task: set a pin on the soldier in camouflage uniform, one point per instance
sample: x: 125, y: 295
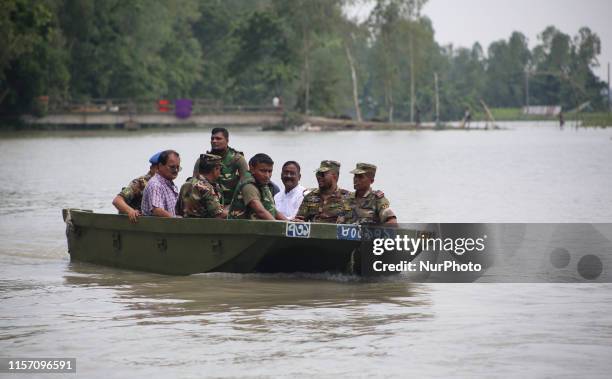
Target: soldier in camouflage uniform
x: 370, y: 207
x: 128, y: 201
x: 253, y: 198
x: 233, y: 164
x: 186, y: 188
x: 201, y: 196
x: 328, y: 203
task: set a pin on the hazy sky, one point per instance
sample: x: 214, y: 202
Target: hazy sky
x: 463, y: 22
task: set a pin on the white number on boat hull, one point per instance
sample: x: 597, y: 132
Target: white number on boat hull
x: 348, y: 232
x: 298, y: 230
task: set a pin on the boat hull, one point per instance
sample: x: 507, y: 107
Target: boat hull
x: 187, y: 246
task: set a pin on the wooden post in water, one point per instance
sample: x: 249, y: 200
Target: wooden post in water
x: 527, y: 87
x: 489, y: 114
x: 609, y: 107
x: 351, y: 62
x: 437, y: 99
x: 412, y: 91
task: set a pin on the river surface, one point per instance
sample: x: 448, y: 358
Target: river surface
x: 119, y: 323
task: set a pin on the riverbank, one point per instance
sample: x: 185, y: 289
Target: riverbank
x: 603, y: 120
x: 276, y: 121
x: 312, y: 123
x: 272, y: 121
x: 585, y: 119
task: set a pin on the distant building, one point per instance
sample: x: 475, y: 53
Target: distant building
x: 542, y: 110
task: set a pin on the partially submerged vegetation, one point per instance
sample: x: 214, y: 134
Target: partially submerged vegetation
x: 601, y: 119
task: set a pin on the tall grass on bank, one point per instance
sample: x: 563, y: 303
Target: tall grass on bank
x: 595, y: 119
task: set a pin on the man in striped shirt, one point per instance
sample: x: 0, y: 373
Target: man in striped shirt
x: 160, y: 194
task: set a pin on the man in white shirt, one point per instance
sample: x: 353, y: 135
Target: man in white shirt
x: 289, y: 200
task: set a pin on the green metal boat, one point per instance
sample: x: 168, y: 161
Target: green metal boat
x: 183, y: 246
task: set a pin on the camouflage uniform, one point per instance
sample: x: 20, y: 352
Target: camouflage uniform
x: 201, y: 198
x: 373, y: 207
x: 336, y: 209
x: 183, y: 193
x: 240, y: 210
x: 232, y: 164
x: 132, y: 194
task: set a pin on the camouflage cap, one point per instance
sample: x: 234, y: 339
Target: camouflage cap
x: 329, y: 165
x: 364, y: 168
x: 210, y: 159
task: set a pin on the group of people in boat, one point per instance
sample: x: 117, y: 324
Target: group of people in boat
x: 225, y: 186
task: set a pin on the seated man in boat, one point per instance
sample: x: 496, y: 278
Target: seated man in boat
x: 328, y: 203
x: 233, y: 163
x: 369, y: 206
x: 186, y: 188
x: 160, y: 194
x: 253, y: 198
x: 202, y: 196
x: 288, y: 201
x: 129, y: 200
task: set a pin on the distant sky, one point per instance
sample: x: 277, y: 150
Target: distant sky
x: 463, y: 22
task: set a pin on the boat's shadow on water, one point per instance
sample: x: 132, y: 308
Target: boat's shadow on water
x: 175, y: 296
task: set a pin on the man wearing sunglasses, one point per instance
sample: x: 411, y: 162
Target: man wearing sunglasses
x: 328, y: 203
x: 160, y: 194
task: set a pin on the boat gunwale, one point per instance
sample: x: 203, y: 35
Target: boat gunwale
x: 199, y: 226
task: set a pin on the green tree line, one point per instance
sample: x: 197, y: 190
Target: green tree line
x: 388, y: 66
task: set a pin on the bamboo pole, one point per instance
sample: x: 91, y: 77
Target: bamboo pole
x: 437, y: 98
x: 351, y: 62
x: 489, y: 114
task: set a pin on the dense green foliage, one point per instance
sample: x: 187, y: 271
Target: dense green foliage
x: 305, y: 51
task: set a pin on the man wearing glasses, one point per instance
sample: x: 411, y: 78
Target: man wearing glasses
x: 328, y: 203
x: 160, y: 194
